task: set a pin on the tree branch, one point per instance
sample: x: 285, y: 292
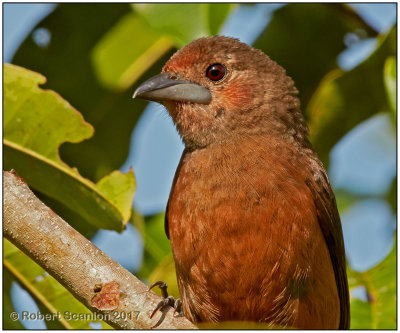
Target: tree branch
x: 97, y: 281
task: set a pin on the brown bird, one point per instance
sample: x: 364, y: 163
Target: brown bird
x: 252, y: 218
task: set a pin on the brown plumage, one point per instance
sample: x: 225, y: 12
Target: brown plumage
x: 252, y: 218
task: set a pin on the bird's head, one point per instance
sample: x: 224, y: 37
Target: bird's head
x: 218, y: 89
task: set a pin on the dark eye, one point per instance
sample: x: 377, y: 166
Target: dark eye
x: 216, y: 72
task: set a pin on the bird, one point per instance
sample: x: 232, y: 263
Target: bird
x: 252, y: 218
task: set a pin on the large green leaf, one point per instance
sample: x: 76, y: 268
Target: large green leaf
x: 344, y: 99
x: 306, y: 39
x: 36, y: 122
x: 31, y: 113
x: 75, y: 29
x: 119, y: 61
x: 45, y: 289
x: 119, y: 189
x: 379, y: 312
x: 198, y: 19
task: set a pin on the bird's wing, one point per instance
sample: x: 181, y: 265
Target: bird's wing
x: 166, y: 225
x: 329, y: 221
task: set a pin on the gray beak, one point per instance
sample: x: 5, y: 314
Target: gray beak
x: 162, y: 88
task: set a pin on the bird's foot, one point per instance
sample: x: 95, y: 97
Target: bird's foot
x: 167, y: 300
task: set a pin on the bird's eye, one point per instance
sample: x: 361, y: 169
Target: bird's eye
x: 216, y: 72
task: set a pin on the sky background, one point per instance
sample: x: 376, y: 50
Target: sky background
x: 364, y: 160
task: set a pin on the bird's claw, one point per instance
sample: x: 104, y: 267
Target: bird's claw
x: 163, y: 287
x: 178, y: 307
x: 167, y: 300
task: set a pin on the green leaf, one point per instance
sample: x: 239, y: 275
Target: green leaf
x: 217, y: 14
x: 344, y: 99
x: 30, y: 114
x: 165, y: 271
x: 156, y: 244
x: 379, y: 312
x: 184, y: 22
x: 361, y: 315
x: 120, y: 60
x: 36, y: 122
x: 169, y: 19
x: 44, y: 288
x: 307, y: 38
x: 390, y: 79
x: 119, y: 189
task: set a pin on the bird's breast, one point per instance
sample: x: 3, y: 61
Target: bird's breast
x: 243, y: 230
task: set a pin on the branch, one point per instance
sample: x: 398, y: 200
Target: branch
x: 96, y: 280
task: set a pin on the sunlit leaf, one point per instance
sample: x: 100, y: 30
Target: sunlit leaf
x: 36, y: 122
x: 45, y: 289
x: 120, y: 59
x: 169, y: 19
x: 30, y: 114
x: 379, y: 312
x: 119, y: 189
x: 390, y: 78
x: 344, y: 99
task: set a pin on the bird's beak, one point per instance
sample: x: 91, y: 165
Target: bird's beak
x: 162, y: 88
